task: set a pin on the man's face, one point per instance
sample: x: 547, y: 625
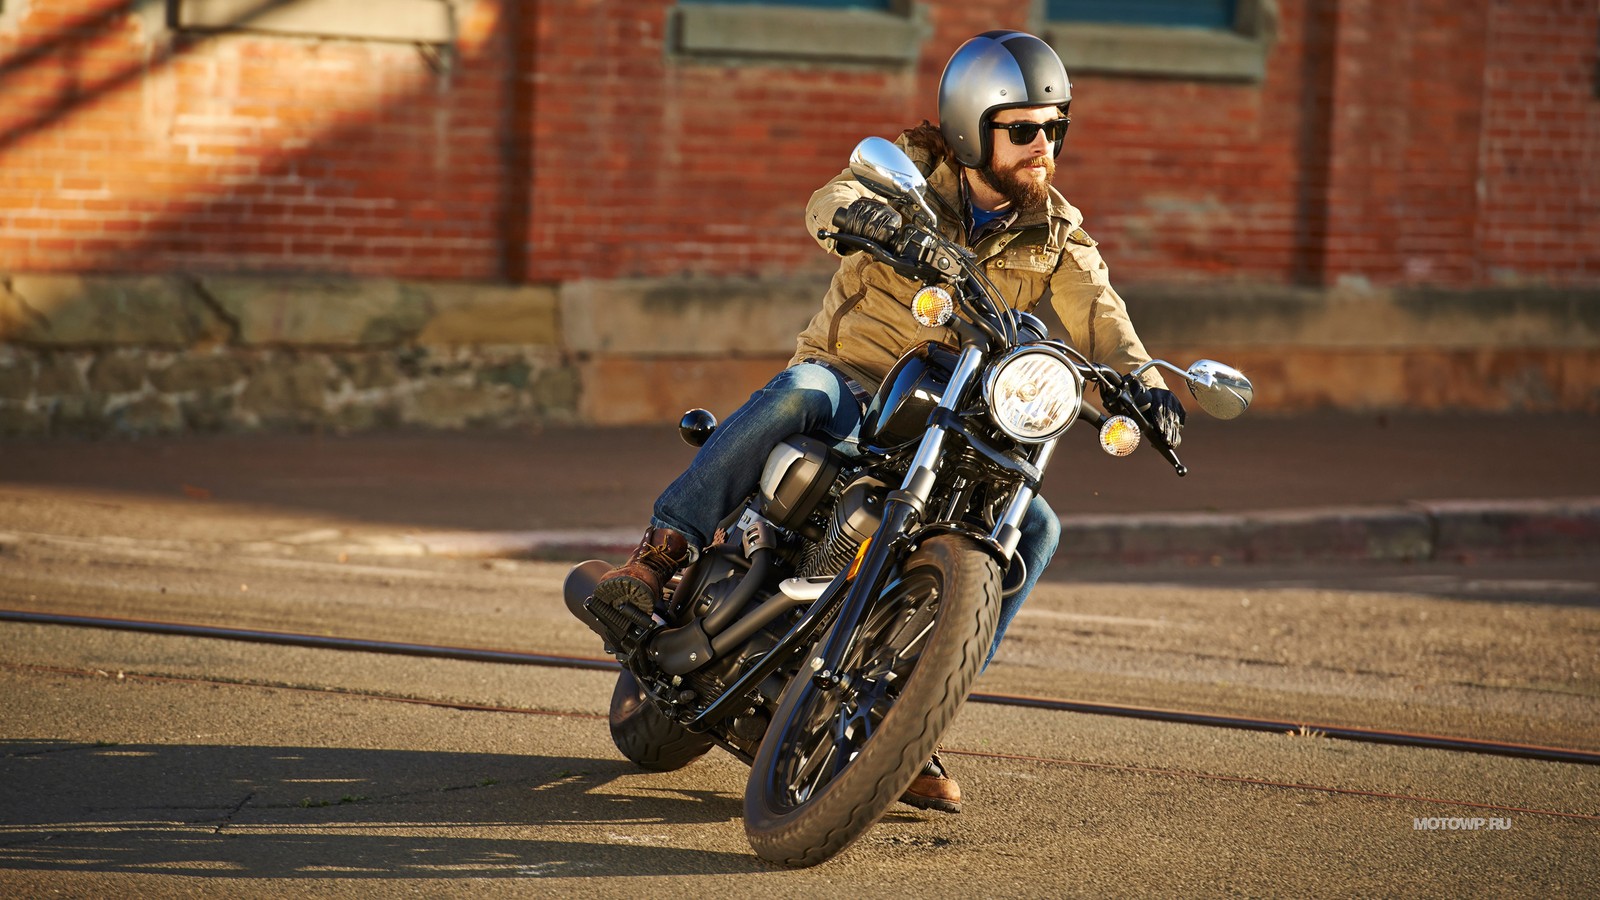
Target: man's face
x: 1022, y: 173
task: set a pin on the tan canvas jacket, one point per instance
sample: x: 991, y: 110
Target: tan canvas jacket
x: 865, y: 323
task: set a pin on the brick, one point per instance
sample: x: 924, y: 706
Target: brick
x: 1382, y: 185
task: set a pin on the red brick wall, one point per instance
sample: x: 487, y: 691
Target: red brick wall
x: 1396, y: 143
x: 1540, y: 217
x: 683, y: 167
x: 1428, y: 142
x: 123, y: 149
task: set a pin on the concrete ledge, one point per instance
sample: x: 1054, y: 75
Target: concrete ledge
x: 620, y: 390
x: 709, y: 317
x: 1273, y: 536
x: 173, y: 311
x: 424, y: 21
x: 1467, y: 530
x: 78, y: 311
x: 101, y: 354
x: 766, y: 32
x: 1259, y: 315
x: 1172, y: 52
x: 1457, y: 530
x: 1299, y: 379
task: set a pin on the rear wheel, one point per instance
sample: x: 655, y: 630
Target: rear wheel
x: 833, y: 761
x: 645, y: 735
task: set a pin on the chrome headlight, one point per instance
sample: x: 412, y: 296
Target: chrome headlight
x: 1033, y: 394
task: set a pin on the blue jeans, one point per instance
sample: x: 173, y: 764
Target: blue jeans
x: 814, y: 399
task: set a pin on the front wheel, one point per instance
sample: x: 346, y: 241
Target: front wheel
x: 834, y: 761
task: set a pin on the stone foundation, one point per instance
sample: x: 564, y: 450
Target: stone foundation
x: 166, y: 354
x: 133, y: 391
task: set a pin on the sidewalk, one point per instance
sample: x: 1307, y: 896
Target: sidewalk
x: 1261, y: 489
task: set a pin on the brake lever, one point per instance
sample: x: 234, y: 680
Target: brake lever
x: 1126, y: 407
x: 897, y: 258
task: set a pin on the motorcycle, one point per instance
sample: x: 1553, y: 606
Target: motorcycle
x: 834, y: 630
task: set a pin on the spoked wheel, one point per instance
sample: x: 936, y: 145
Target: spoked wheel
x: 833, y: 761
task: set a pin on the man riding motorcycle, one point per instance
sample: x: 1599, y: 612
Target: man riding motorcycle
x: 1003, y: 101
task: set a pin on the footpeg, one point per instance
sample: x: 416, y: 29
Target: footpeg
x: 621, y: 629
x: 618, y: 622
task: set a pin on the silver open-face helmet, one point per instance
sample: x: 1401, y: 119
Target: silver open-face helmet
x: 996, y: 70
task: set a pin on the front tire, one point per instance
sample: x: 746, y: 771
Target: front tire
x: 645, y: 735
x: 833, y: 762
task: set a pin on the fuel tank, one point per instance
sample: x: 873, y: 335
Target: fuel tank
x: 898, y: 414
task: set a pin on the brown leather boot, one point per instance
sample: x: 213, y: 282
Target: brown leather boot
x: 639, y: 581
x: 934, y: 788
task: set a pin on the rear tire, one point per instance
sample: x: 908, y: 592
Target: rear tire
x: 645, y: 735
x: 832, y: 763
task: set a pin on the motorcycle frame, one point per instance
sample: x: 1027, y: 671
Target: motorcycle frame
x: 847, y: 599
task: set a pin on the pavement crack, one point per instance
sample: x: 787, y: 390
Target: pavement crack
x: 228, y: 818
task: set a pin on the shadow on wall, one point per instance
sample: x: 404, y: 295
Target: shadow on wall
x: 68, y: 50
x: 152, y: 149
x: 339, y: 174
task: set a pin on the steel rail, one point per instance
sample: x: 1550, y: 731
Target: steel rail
x: 973, y: 754
x: 967, y: 753
x: 1348, y: 733
x: 513, y: 657
x: 316, y: 641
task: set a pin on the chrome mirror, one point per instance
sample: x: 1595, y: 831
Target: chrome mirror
x: 886, y: 170
x: 1221, y: 390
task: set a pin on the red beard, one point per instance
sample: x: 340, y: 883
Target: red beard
x: 1018, y: 184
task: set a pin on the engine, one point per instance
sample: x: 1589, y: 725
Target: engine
x: 855, y: 517
x: 805, y: 491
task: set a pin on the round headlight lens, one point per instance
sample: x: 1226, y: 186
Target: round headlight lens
x: 1033, y: 394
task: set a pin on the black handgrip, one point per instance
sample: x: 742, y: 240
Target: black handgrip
x: 1122, y: 403
x: 910, y: 268
x: 868, y: 218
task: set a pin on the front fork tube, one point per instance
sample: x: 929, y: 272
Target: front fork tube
x: 1008, y: 531
x: 902, y: 510
x: 919, y: 479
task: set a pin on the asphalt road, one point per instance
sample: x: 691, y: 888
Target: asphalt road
x: 161, y: 766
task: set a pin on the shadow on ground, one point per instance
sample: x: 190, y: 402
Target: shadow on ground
x: 302, y: 812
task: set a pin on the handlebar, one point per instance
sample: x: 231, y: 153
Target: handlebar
x: 909, y: 258
x: 1121, y: 403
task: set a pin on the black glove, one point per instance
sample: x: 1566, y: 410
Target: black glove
x: 1162, y: 409
x: 868, y: 218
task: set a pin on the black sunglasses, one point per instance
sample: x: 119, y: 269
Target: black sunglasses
x: 1023, y: 133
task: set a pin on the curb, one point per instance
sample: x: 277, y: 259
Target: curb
x: 1457, y: 530
x: 562, y: 545
x: 1454, y: 530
